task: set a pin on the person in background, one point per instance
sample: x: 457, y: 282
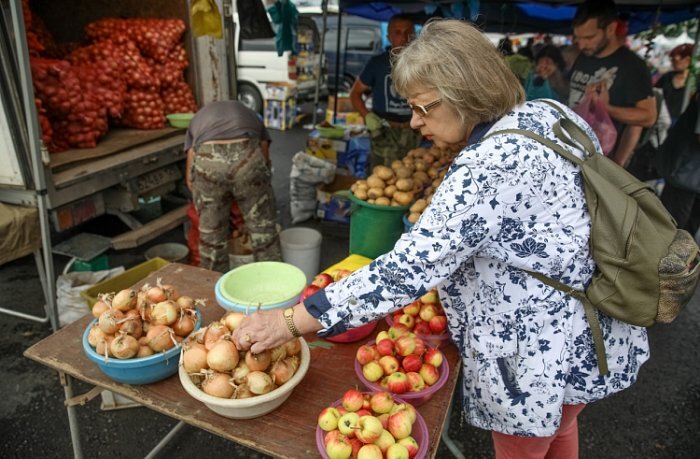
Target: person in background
x: 547, y: 80
x: 388, y: 122
x: 612, y: 74
x: 507, y: 204
x: 228, y: 160
x: 673, y: 83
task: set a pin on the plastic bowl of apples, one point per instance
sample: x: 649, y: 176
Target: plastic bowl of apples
x: 403, y: 365
x: 424, y: 317
x: 371, y: 424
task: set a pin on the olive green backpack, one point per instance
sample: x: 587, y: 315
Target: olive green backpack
x: 647, y: 269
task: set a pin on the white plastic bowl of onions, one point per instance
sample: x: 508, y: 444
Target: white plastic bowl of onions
x: 240, y: 385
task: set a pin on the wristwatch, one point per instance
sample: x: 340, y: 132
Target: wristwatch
x: 288, y: 317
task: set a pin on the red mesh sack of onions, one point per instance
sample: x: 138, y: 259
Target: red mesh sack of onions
x: 154, y: 37
x: 44, y: 124
x: 171, y: 71
x: 56, y: 85
x: 82, y: 127
x: 178, y: 98
x: 103, y: 81
x: 143, y: 110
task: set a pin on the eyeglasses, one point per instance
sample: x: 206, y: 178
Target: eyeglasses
x: 422, y: 110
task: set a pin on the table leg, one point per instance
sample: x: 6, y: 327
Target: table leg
x: 454, y: 449
x: 154, y: 452
x: 72, y: 416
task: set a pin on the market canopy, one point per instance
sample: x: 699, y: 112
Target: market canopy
x: 520, y: 17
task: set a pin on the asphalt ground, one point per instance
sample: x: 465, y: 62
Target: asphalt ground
x: 659, y: 417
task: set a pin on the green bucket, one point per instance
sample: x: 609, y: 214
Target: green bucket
x: 374, y: 229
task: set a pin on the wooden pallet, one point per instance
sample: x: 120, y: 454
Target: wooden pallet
x: 150, y: 230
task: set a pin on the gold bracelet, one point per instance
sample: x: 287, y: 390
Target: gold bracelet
x: 288, y: 317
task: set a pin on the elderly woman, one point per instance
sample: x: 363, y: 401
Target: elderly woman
x: 507, y: 205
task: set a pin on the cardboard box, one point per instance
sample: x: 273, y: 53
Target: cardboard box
x: 344, y: 118
x: 280, y: 91
x: 344, y: 104
x: 324, y: 148
x: 331, y: 203
x: 280, y: 114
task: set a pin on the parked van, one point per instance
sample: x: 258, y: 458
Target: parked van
x: 257, y: 64
x: 360, y: 39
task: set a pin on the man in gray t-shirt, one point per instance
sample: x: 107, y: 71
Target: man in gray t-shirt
x: 228, y: 161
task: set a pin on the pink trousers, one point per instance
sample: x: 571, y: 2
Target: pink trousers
x: 562, y: 445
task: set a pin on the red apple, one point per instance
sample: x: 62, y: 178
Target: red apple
x: 429, y: 373
x: 338, y: 274
x: 397, y: 451
x: 385, y: 347
x: 433, y: 357
x: 385, y: 440
x: 356, y: 446
x: 413, y: 308
x: 341, y: 410
x: 407, y: 407
x: 400, y: 424
x: 438, y: 325
x: 397, y: 383
x: 415, y: 380
x: 352, y: 400
x: 411, y: 445
x: 389, y: 364
x: 422, y: 327
x: 427, y: 312
x: 366, y: 353
x: 405, y: 345
x: 339, y: 448
x: 363, y: 412
x: 322, y: 280
x: 308, y: 291
x: 381, y: 402
x: 370, y: 451
x: 420, y: 347
x: 384, y: 383
x: 381, y: 336
x: 408, y: 320
x: 328, y: 419
x: 411, y: 363
x: 331, y: 435
x: 384, y: 418
x: 372, y: 371
x: 369, y: 429
x: 397, y: 330
x: 366, y: 403
x: 347, y: 424
x: 430, y: 297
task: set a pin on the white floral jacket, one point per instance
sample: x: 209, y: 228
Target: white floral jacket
x: 507, y: 204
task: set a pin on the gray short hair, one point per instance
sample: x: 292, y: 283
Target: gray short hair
x: 458, y: 61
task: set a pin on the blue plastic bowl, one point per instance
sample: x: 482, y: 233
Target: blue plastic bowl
x: 263, y: 285
x: 144, y: 370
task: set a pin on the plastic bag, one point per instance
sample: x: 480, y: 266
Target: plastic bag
x: 71, y: 306
x: 206, y: 19
x: 307, y: 173
x: 598, y: 119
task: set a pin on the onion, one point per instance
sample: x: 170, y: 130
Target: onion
x: 278, y: 353
x: 124, y: 300
x: 194, y: 359
x: 259, y: 382
x: 243, y: 391
x: 223, y: 356
x: 155, y: 294
x: 144, y: 351
x: 133, y: 314
x: 103, y: 347
x: 98, y: 308
x: 258, y: 362
x: 109, y: 321
x: 218, y: 385
x: 143, y: 341
x: 282, y: 371
x: 185, y: 302
x: 160, y: 338
x: 164, y: 313
x: 184, y: 325
x: 293, y: 346
x: 95, y: 335
x: 132, y: 326
x: 240, y: 373
x: 124, y: 346
x: 213, y: 333
x: 232, y: 320
x: 170, y: 291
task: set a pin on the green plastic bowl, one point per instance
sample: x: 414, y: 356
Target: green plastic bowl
x: 180, y: 120
x: 264, y: 284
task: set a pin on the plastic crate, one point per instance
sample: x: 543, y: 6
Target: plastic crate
x: 124, y: 280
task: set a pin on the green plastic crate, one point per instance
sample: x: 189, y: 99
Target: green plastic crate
x: 124, y: 280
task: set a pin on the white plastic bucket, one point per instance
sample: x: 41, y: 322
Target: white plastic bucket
x: 301, y: 247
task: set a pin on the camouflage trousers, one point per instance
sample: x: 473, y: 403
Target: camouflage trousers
x: 222, y: 173
x: 390, y: 144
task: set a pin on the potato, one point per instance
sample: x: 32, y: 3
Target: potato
x: 432, y: 172
x: 361, y: 185
x: 404, y: 198
x: 389, y: 191
x: 382, y: 201
x: 361, y: 194
x: 428, y: 158
x: 419, y: 206
x: 374, y: 193
x: 371, y: 201
x: 397, y: 163
x: 391, y: 181
x: 421, y: 165
x: 413, y: 217
x: 375, y: 182
x: 405, y: 184
x: 403, y: 172
x: 383, y: 172
x: 421, y: 177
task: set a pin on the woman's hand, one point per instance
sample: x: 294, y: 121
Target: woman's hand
x: 262, y: 330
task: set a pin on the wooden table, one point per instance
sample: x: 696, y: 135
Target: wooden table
x: 330, y: 374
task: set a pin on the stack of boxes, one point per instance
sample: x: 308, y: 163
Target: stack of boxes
x: 280, y: 105
x: 345, y: 114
